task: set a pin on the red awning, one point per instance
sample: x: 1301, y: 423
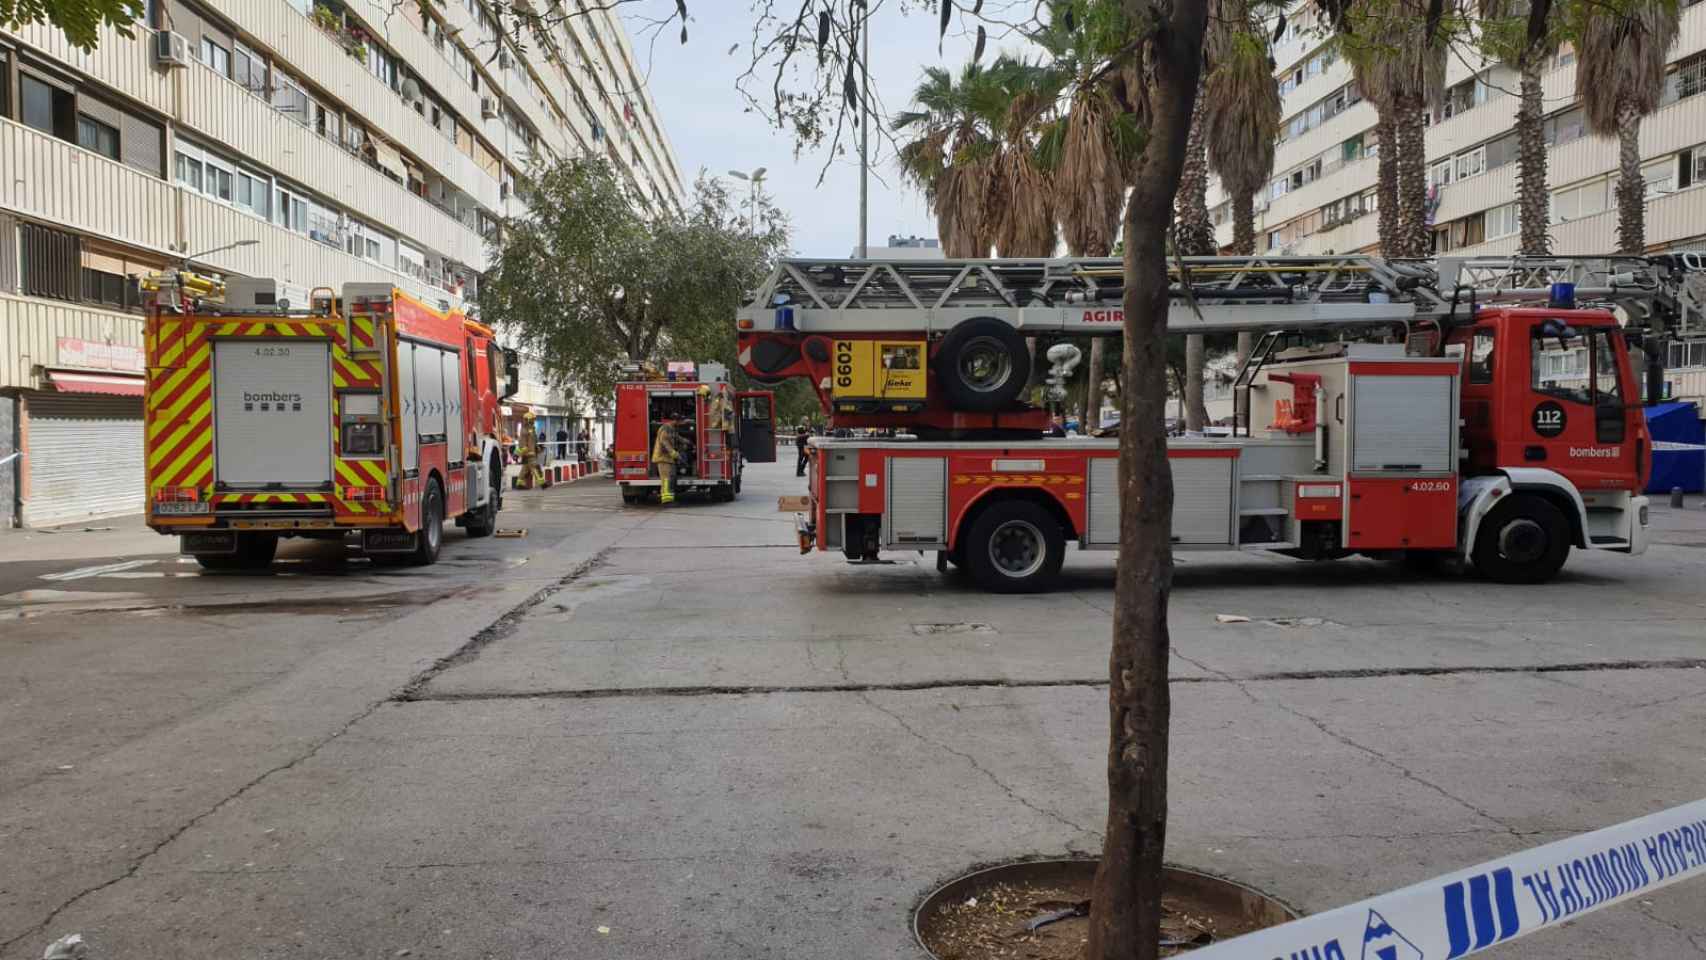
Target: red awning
x: 108, y: 383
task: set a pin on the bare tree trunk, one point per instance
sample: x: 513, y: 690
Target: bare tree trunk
x: 1125, y: 920
x: 1386, y: 184
x: 1244, y: 224
x: 1196, y: 360
x: 1532, y: 194
x: 1631, y: 186
x: 1412, y: 223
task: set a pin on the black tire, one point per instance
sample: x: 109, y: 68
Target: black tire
x: 431, y: 534
x: 483, y: 521
x: 1014, y: 546
x: 255, y: 551
x: 630, y: 496
x: 1525, y: 539
x: 983, y: 365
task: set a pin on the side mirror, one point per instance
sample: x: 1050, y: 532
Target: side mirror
x: 512, y: 373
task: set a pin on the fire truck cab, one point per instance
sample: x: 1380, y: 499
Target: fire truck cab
x: 718, y: 429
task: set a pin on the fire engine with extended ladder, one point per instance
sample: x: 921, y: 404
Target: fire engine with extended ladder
x: 362, y: 412
x: 1463, y: 435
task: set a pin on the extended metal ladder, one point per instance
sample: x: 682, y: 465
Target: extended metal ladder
x: 1662, y: 292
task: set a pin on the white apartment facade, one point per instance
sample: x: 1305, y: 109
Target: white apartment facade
x: 1322, y: 195
x: 342, y: 140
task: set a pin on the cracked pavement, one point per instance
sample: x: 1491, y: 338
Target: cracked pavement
x: 668, y: 724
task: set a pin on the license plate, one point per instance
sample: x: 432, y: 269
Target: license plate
x: 181, y: 507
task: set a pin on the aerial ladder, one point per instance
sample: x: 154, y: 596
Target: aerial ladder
x: 942, y: 345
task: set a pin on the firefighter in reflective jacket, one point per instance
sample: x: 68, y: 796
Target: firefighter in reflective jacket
x: 666, y: 450
x: 528, y: 449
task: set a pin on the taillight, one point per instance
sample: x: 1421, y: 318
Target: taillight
x: 176, y: 494
x: 363, y: 494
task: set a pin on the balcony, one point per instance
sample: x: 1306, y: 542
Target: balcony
x: 228, y: 113
x: 31, y: 329
x: 60, y: 183
x: 125, y: 64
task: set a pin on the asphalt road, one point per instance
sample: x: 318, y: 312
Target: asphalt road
x: 649, y: 732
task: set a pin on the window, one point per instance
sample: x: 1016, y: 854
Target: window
x: 1555, y: 364
x: 1273, y: 239
x: 1690, y: 167
x: 1503, y: 221
x: 288, y: 98
x: 1660, y: 177
x: 1471, y: 164
x: 110, y: 289
x: 253, y: 192
x: 1605, y: 380
x: 189, y: 171
x: 248, y: 69
x: 1564, y: 128
x: 5, y: 85
x: 1577, y: 202
x: 290, y: 210
x: 47, y: 108
x: 1688, y: 79
x: 51, y: 262
x: 216, y: 56
x: 94, y: 135
x: 1440, y: 174
x: 1481, y: 357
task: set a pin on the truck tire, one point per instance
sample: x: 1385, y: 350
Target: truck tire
x: 1525, y: 539
x: 255, y: 551
x: 1014, y: 546
x: 483, y: 521
x: 630, y: 496
x: 983, y: 365
x: 431, y: 534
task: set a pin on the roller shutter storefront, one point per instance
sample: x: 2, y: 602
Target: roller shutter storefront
x: 84, y: 457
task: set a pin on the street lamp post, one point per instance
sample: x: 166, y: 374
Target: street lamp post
x: 755, y: 178
x: 184, y: 261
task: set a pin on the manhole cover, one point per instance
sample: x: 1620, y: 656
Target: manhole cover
x: 1038, y: 909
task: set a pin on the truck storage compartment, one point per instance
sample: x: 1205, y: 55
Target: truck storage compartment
x: 272, y: 412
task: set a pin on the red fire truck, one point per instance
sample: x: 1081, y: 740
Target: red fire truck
x: 718, y: 428
x: 1499, y: 431
x: 365, y: 413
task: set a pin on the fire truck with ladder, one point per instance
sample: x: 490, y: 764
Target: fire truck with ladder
x: 361, y: 413
x: 1500, y: 423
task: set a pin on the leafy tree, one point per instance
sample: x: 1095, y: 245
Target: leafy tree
x: 587, y: 278
x: 80, y: 20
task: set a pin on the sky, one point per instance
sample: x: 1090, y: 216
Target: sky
x: 693, y: 86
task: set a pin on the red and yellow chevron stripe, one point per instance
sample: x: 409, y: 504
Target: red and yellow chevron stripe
x: 285, y: 499
x: 357, y: 374
x: 179, y: 412
x: 363, y: 334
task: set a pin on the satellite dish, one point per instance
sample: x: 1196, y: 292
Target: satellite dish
x: 411, y: 89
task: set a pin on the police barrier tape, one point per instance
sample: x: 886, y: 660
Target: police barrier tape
x: 1471, y: 910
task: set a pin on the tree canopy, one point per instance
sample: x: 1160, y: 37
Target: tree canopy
x: 587, y: 276
x: 80, y: 20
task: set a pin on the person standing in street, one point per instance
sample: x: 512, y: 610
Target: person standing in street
x: 666, y: 450
x: 801, y: 437
x: 584, y: 445
x: 562, y: 443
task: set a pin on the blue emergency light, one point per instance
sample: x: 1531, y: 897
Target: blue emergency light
x: 784, y: 318
x: 1563, y: 296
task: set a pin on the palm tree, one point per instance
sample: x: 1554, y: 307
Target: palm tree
x: 1620, y: 78
x: 952, y: 153
x: 1397, y: 50
x: 1020, y: 205
x: 1522, y: 33
x: 1089, y: 147
x: 1241, y: 115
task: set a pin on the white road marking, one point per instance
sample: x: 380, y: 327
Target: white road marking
x: 84, y: 572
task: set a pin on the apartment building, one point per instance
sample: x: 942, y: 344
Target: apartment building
x: 314, y: 141
x: 1322, y: 195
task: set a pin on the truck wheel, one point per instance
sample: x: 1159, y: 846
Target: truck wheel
x: 983, y: 365
x: 431, y: 534
x: 255, y: 551
x: 630, y: 496
x: 1015, y: 546
x: 1525, y: 539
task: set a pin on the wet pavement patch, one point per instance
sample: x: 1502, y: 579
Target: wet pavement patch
x: 1040, y: 909
x: 933, y: 629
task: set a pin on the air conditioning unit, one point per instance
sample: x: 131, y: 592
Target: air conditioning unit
x: 488, y: 108
x: 171, y: 49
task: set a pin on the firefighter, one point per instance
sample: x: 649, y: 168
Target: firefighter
x: 801, y: 436
x: 666, y: 450
x: 531, y: 475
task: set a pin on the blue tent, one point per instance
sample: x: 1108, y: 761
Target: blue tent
x: 1679, y: 448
